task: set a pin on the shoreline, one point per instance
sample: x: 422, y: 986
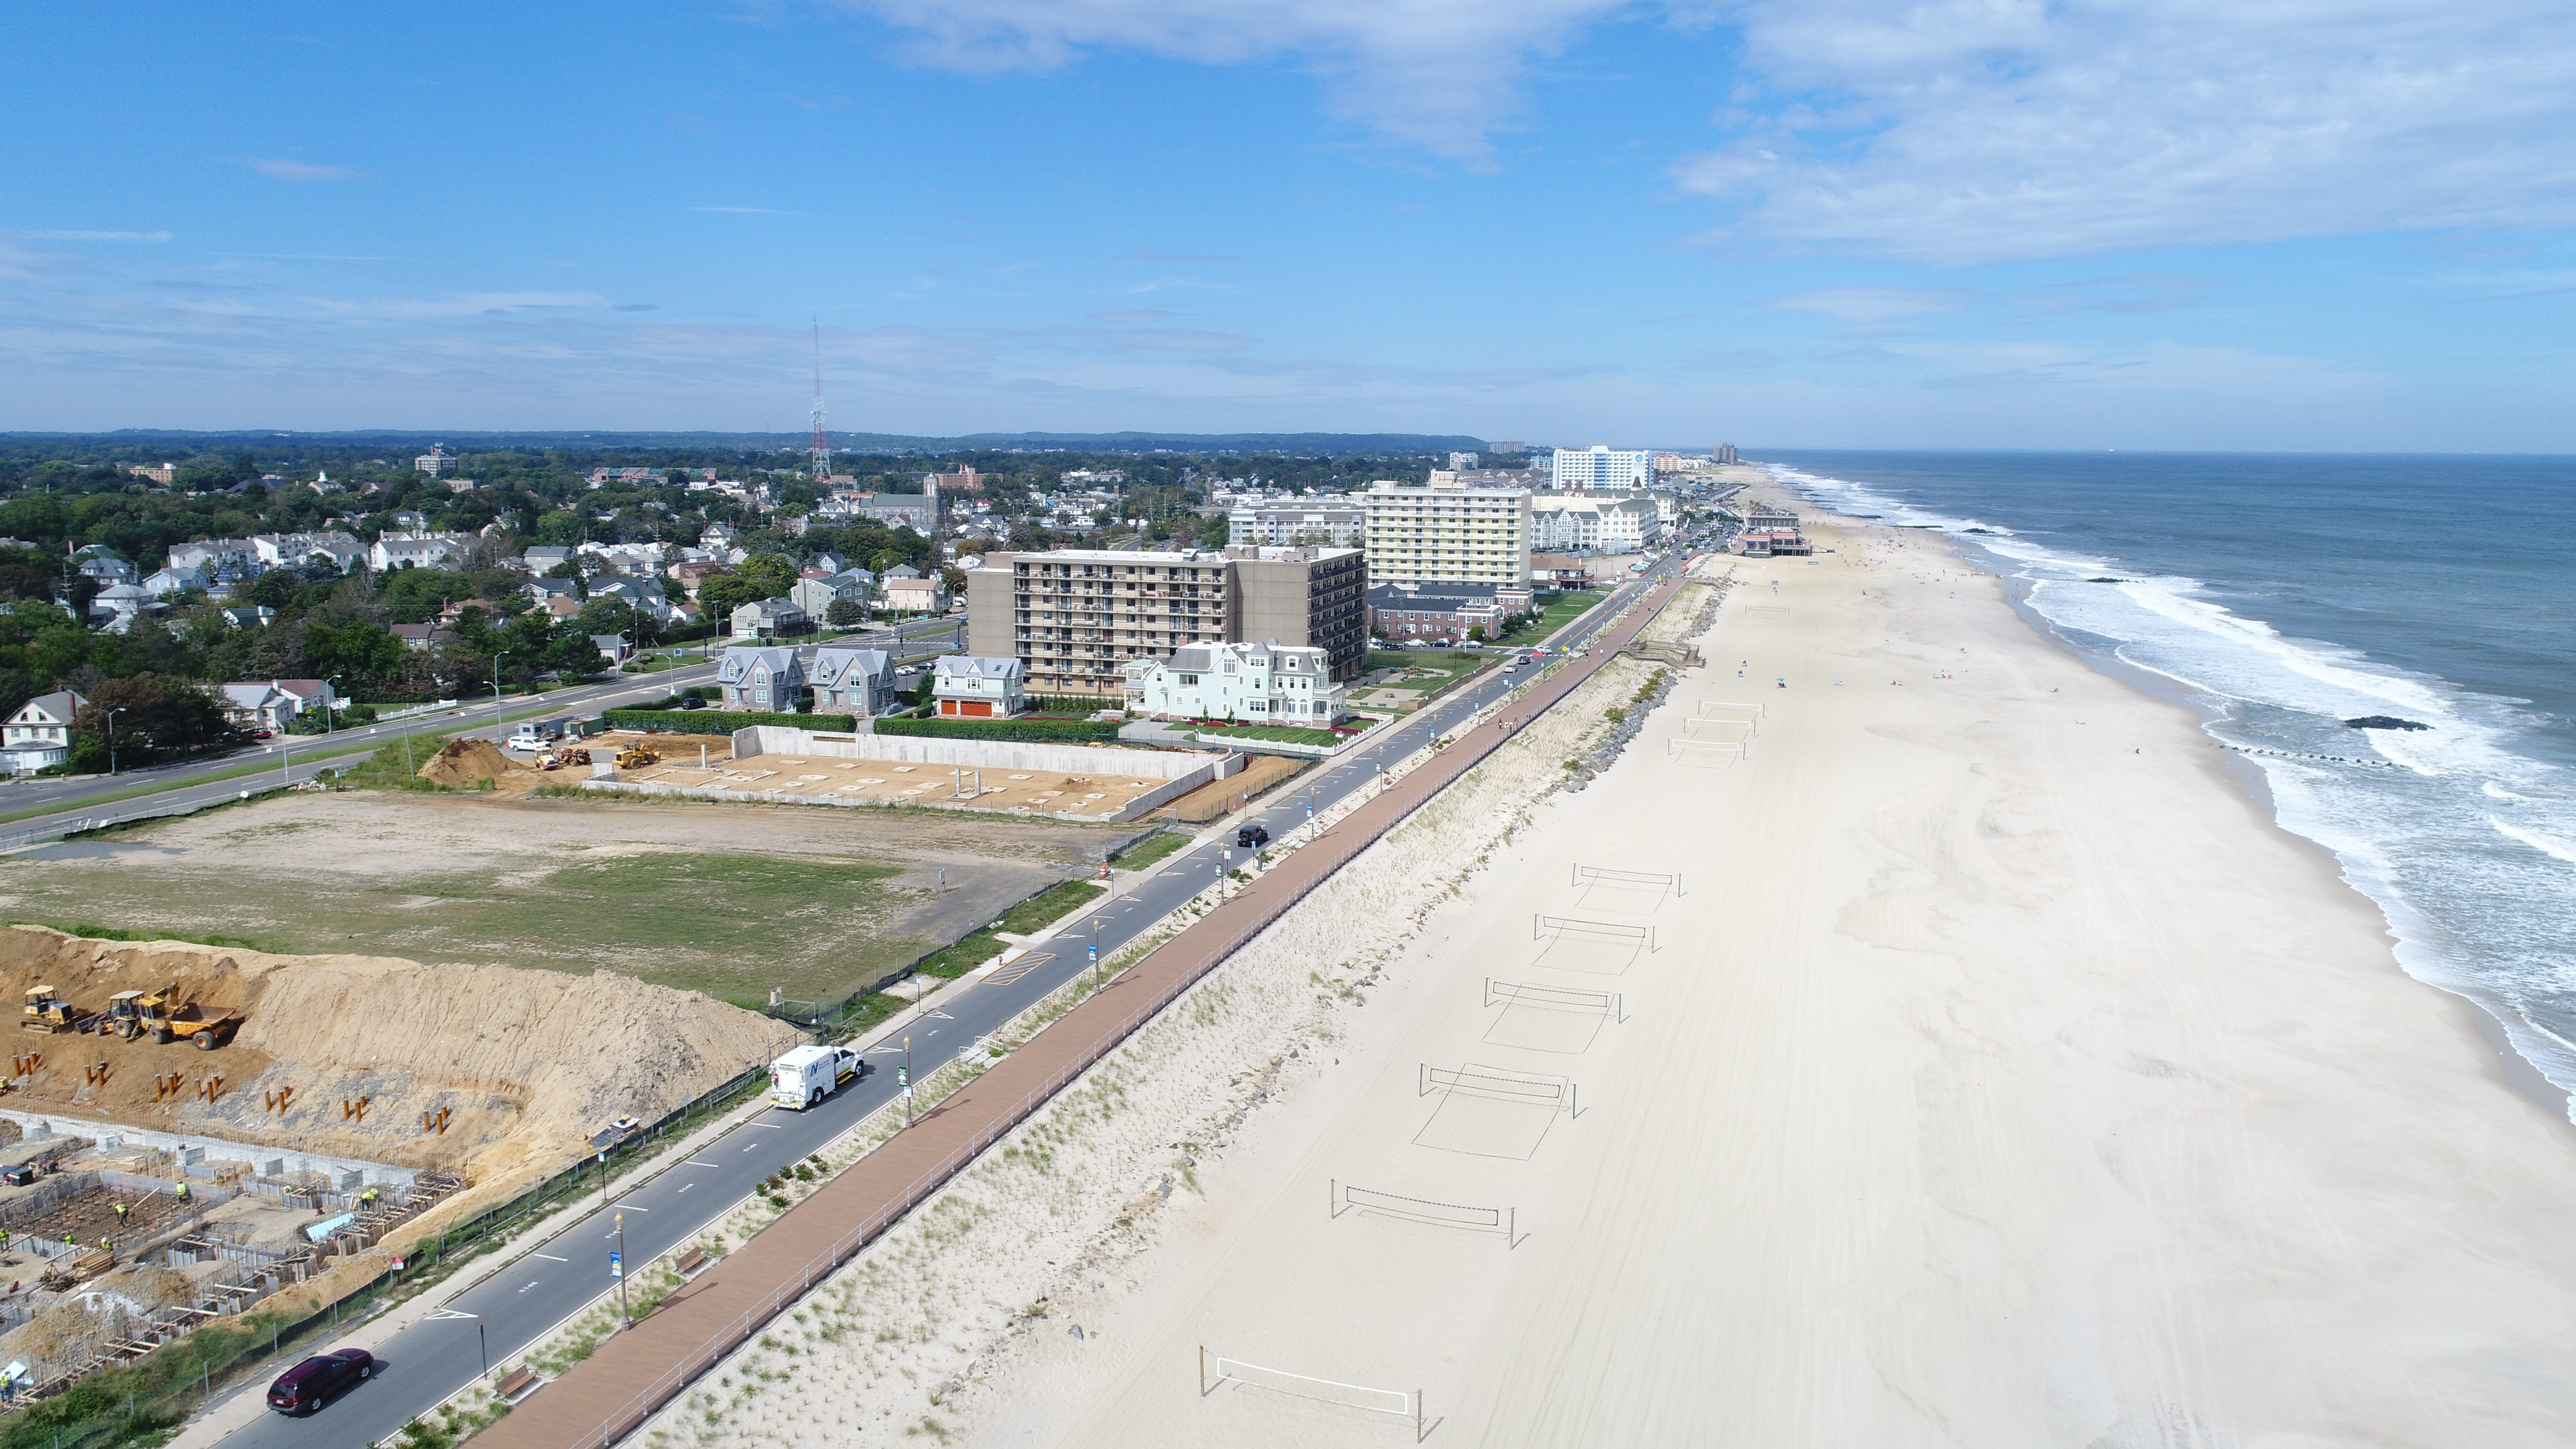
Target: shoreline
x: 1990, y: 1085
x: 2482, y: 1016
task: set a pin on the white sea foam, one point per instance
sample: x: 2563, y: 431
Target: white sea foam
x: 2544, y: 843
x: 2478, y: 903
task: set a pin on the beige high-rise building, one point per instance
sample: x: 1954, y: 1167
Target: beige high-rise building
x: 1074, y: 617
x: 1447, y: 532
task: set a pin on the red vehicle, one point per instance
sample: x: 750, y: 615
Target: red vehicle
x: 318, y: 1380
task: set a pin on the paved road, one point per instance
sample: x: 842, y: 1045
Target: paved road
x: 185, y: 787
x: 432, y: 1359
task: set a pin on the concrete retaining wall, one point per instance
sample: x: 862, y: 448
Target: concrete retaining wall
x: 985, y: 754
x: 192, y: 1148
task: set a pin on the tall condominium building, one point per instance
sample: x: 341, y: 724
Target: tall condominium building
x: 1603, y: 468
x: 1446, y: 532
x: 1074, y: 617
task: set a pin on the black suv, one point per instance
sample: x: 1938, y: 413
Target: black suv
x: 1251, y: 835
x: 316, y: 1381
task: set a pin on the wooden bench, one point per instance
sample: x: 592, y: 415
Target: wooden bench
x: 691, y: 1261
x: 517, y: 1384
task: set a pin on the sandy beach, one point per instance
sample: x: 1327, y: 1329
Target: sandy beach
x: 1995, y: 1073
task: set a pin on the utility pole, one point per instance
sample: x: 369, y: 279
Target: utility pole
x: 617, y: 1270
x: 111, y: 741
x: 497, y: 656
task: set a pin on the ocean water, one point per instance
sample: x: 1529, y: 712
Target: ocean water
x: 2286, y: 594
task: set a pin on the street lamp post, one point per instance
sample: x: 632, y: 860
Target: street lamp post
x: 1095, y: 953
x: 497, y: 656
x: 111, y: 741
x: 624, y: 1318
x: 905, y: 1081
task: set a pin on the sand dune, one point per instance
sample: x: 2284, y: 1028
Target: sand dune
x: 2001, y: 1077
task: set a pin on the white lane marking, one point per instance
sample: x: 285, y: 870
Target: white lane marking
x: 549, y: 1257
x: 532, y: 1285
x: 684, y: 1187
x: 766, y: 1126
x: 444, y: 1314
x: 628, y: 1207
x: 693, y: 1162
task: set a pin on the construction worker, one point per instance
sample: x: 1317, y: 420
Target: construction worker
x: 120, y: 1215
x: 183, y: 1191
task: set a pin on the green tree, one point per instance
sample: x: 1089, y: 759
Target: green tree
x: 156, y: 717
x: 842, y: 613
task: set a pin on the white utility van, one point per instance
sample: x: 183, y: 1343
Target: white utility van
x: 808, y: 1074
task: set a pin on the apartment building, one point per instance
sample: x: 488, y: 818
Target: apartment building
x: 1339, y: 523
x: 1602, y: 468
x: 1593, y: 523
x: 1075, y: 617
x: 1446, y: 532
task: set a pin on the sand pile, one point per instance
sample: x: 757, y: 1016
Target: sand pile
x: 467, y: 762
x: 527, y: 1063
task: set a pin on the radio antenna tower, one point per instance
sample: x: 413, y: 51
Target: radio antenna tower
x: 822, y: 441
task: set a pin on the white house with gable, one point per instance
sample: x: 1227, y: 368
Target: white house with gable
x: 974, y: 688
x: 39, y: 735
x: 1268, y: 683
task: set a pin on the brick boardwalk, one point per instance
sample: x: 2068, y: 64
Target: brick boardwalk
x: 634, y: 1373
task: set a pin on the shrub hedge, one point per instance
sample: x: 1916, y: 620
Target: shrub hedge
x: 721, y: 721
x: 1034, y: 731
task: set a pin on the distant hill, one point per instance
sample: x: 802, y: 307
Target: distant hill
x: 1129, y: 442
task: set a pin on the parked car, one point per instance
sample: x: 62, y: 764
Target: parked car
x: 320, y: 1379
x: 691, y: 701
x: 1252, y: 835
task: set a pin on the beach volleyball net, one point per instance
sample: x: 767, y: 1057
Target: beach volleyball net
x: 1216, y: 1371
x: 1612, y: 1004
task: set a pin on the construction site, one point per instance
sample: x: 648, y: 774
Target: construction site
x: 187, y: 1130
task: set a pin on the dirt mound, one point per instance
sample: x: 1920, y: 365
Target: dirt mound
x: 467, y: 762
x: 526, y: 1063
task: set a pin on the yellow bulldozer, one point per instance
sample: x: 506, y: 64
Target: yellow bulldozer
x: 47, y: 1012
x: 635, y: 755
x: 136, y: 1014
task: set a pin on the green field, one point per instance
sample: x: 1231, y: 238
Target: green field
x: 729, y: 900
x: 1564, y: 609
x: 1447, y: 664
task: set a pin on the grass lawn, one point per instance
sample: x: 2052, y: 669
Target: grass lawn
x: 1449, y: 663
x: 1563, y: 610
x: 1020, y: 920
x: 1283, y: 734
x: 1152, y: 848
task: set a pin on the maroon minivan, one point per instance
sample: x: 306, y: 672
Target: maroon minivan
x: 316, y: 1381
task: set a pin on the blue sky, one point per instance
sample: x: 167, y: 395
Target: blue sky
x: 1975, y: 223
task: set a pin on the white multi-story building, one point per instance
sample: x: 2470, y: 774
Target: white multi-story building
x: 1589, y: 523
x: 435, y: 459
x: 418, y: 551
x: 1276, y: 521
x: 1445, y: 532
x: 1274, y: 683
x: 1603, y: 469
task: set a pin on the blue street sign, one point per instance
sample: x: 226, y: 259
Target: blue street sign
x: 1091, y: 951
x: 616, y: 1269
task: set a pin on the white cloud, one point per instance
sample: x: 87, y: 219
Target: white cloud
x: 282, y: 170
x: 1869, y: 306
x: 1440, y: 74
x: 1956, y: 131
x: 101, y: 236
